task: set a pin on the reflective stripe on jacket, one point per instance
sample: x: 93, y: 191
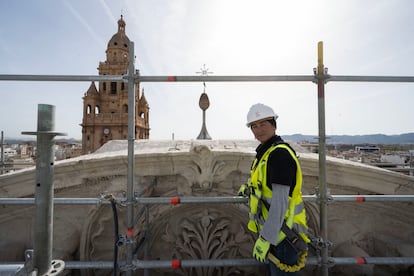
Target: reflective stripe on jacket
x: 261, y: 195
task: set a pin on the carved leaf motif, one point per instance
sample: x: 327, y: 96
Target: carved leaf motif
x: 218, y: 167
x: 204, y: 232
x: 205, y: 236
x: 224, y: 235
x: 167, y: 236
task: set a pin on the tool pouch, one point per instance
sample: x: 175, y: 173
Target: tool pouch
x: 294, y: 239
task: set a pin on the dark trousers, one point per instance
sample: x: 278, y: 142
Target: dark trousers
x: 286, y: 254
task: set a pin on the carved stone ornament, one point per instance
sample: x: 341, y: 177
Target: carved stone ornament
x: 202, y: 232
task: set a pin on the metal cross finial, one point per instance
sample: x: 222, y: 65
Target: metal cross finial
x: 204, y: 71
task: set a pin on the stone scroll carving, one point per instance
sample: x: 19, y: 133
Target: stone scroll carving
x: 204, y: 171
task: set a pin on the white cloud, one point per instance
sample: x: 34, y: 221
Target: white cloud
x: 84, y: 23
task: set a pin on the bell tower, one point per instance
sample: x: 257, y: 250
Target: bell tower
x: 105, y: 109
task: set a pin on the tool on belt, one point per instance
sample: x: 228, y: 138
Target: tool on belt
x: 298, y: 244
x: 294, y: 239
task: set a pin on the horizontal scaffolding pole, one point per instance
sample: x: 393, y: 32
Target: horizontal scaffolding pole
x: 252, y: 78
x: 252, y: 262
x: 139, y: 200
x: 151, y: 264
x: 138, y: 264
x: 225, y: 78
x: 370, y: 78
x: 373, y: 198
x: 190, y: 199
x: 157, y: 78
x: 373, y: 260
x: 62, y: 78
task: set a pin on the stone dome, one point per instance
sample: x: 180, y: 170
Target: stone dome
x: 119, y: 40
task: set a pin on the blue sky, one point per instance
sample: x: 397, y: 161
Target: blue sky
x: 232, y: 37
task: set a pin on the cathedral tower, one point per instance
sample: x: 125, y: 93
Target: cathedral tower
x: 105, y: 110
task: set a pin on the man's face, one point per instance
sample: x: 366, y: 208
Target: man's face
x: 263, y: 130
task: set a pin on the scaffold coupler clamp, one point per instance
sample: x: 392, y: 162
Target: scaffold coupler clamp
x: 330, y: 263
x: 57, y: 266
x: 124, y: 240
x: 320, y: 243
x: 317, y: 244
x: 325, y: 75
x: 327, y: 199
x: 109, y: 197
x: 126, y: 267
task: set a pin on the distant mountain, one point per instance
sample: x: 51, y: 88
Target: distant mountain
x: 405, y: 138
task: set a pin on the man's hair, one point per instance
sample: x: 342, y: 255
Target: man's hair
x: 272, y: 121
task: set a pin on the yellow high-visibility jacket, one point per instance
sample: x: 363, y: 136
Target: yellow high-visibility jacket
x: 261, y: 195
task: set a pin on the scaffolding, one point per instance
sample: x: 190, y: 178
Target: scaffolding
x: 320, y: 77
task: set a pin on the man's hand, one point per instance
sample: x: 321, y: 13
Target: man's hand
x: 260, y: 249
x: 244, y: 190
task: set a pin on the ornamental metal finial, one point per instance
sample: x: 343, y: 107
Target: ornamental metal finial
x: 204, y: 103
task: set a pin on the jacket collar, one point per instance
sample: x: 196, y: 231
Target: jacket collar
x: 262, y: 148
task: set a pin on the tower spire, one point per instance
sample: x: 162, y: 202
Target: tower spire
x: 121, y: 24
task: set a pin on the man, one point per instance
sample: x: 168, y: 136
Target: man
x: 277, y: 211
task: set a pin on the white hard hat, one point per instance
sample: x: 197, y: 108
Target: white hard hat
x: 258, y: 112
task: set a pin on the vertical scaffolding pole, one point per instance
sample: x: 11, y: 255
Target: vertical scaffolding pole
x: 322, y: 161
x: 131, y: 160
x: 2, y: 153
x: 147, y: 238
x: 43, y: 222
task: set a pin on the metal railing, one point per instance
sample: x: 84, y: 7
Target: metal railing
x: 198, y: 200
x: 320, y: 77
